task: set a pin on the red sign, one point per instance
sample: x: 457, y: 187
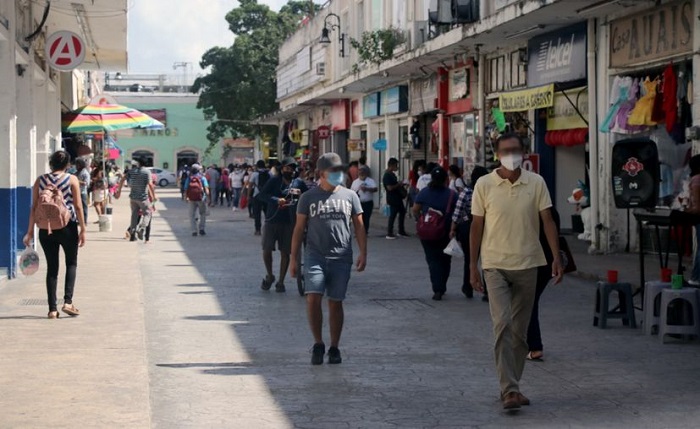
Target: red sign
x: 633, y: 166
x: 531, y: 162
x: 65, y: 50
x: 323, y: 132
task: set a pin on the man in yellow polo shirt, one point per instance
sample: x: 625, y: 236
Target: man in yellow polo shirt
x: 506, y: 208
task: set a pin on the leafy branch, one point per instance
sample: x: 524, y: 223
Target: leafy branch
x: 375, y: 47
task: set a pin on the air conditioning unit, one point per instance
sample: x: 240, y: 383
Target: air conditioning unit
x: 321, y: 69
x: 465, y: 11
x: 440, y: 12
x: 420, y: 33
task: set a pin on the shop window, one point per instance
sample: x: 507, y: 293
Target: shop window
x: 517, y: 70
x: 497, y: 67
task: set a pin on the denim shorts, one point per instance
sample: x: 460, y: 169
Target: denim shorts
x: 326, y: 276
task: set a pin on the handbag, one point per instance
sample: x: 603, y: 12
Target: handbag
x: 567, y: 258
x: 432, y: 225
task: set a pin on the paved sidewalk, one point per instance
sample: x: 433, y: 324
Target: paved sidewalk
x: 178, y: 334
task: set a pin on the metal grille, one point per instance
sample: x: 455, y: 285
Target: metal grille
x: 36, y: 301
x: 403, y: 304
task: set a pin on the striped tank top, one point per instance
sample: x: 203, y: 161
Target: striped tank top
x: 62, y: 182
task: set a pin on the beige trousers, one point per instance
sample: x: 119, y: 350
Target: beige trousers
x: 511, y: 297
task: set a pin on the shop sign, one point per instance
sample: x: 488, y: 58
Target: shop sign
x: 370, y: 105
x: 563, y: 116
x: 658, y: 33
x: 167, y: 132
x: 559, y: 56
x: 295, y: 135
x: 65, y: 50
x: 531, y: 162
x: 323, y: 132
x: 459, y: 84
x: 423, y: 95
x: 394, y: 100
x: 527, y: 99
x: 356, y: 145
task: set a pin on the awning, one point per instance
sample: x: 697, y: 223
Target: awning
x: 566, y: 138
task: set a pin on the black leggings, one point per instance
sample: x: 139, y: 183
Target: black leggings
x: 51, y: 243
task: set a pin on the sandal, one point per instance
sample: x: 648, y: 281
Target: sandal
x: 267, y: 283
x: 53, y: 315
x: 535, y: 356
x: 70, y: 310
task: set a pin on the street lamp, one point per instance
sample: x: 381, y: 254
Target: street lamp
x: 329, y: 26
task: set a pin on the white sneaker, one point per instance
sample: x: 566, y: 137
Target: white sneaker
x: 694, y: 282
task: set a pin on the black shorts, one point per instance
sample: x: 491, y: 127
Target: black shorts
x: 280, y: 233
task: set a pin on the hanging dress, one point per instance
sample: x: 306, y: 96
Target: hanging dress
x: 641, y: 114
x: 618, y: 95
x: 670, y: 102
x: 622, y: 125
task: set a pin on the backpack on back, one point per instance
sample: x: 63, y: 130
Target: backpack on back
x: 263, y: 177
x: 195, y: 191
x: 51, y: 211
x: 432, y: 225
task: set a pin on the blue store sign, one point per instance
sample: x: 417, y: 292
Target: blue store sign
x: 559, y: 56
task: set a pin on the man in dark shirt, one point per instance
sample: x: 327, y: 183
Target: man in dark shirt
x: 281, y: 194
x: 395, y: 193
x: 139, y: 181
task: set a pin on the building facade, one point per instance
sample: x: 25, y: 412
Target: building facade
x: 462, y: 72
x: 33, y: 94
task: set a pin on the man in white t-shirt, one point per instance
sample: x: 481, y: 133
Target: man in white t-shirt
x: 365, y: 187
x: 236, y: 179
x: 424, y: 179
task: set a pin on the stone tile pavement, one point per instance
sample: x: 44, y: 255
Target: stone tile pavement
x: 178, y: 334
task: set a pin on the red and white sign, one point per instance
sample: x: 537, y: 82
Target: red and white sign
x: 323, y: 132
x: 531, y: 162
x: 65, y: 50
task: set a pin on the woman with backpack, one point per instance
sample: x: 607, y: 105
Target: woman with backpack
x: 58, y: 212
x: 433, y: 210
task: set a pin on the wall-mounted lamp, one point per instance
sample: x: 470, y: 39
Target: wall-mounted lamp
x: 329, y: 26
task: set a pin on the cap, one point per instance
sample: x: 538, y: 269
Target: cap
x: 364, y: 169
x: 196, y: 166
x: 329, y: 160
x: 134, y: 162
x: 289, y: 161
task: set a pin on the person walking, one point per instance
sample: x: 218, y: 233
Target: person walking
x: 256, y: 183
x: 544, y: 277
x: 462, y: 222
x: 212, y: 175
x: 507, y: 206
x: 84, y: 180
x: 197, y: 192
x: 237, y: 186
x: 324, y: 215
x: 395, y: 194
x: 281, y: 194
x: 225, y: 193
x: 182, y: 178
x: 99, y: 191
x: 456, y: 181
x: 365, y: 187
x: 47, y: 213
x: 436, y: 198
x: 139, y: 179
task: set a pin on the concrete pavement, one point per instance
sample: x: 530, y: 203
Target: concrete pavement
x: 177, y: 333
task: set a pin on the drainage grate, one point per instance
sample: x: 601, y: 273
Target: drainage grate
x: 403, y: 304
x: 36, y: 301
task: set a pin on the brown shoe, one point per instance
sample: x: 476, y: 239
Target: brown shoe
x: 53, y: 315
x: 511, y: 401
x: 70, y: 310
x: 523, y: 399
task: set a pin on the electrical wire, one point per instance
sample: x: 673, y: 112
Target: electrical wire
x: 45, y: 16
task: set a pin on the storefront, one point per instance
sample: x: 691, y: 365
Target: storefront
x: 422, y: 142
x: 650, y: 71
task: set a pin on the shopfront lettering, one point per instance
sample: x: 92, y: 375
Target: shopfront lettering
x: 527, y: 99
x: 559, y: 56
x: 659, y: 33
x: 167, y: 132
x: 555, y: 56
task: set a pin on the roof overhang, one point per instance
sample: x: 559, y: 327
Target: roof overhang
x: 102, y: 24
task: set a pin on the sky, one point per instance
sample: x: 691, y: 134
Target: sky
x: 161, y: 34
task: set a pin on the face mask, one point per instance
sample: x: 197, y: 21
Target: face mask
x: 288, y: 175
x: 512, y: 161
x: 336, y: 178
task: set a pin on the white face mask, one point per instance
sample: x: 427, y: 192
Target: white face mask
x: 512, y: 161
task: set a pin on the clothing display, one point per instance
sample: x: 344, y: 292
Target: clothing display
x: 643, y: 110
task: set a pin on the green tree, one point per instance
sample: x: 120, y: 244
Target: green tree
x: 241, y: 84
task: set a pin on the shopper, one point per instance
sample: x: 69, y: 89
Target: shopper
x: 99, y: 191
x: 139, y: 179
x: 281, y: 194
x: 237, y: 186
x: 456, y: 181
x: 437, y: 200
x: 225, y: 192
x: 257, y: 182
x: 365, y: 187
x: 48, y: 214
x: 212, y: 175
x: 84, y: 180
x: 324, y: 216
x: 506, y: 210
x: 395, y: 194
x: 197, y: 192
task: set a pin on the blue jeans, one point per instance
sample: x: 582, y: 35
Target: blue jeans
x: 84, y: 198
x: 329, y: 276
x: 236, y: 196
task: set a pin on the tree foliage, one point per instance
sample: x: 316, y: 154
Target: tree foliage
x: 241, y: 84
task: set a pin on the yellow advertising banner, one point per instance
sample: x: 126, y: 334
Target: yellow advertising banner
x: 527, y: 99
x: 563, y: 116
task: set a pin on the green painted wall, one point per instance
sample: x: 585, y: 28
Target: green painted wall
x: 186, y: 129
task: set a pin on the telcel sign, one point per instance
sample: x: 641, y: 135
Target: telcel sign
x: 557, y: 57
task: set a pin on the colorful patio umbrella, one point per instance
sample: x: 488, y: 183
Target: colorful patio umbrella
x: 107, y: 117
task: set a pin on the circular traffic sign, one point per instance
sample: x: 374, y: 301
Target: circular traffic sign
x: 324, y: 132
x: 65, y: 50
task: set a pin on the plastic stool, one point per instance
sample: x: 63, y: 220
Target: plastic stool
x: 689, y: 296
x: 602, y: 307
x: 652, y: 306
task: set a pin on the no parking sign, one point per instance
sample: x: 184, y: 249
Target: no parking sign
x: 65, y: 50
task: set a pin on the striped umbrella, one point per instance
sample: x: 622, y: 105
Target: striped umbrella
x: 107, y: 117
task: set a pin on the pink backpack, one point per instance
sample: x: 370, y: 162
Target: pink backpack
x: 51, y: 211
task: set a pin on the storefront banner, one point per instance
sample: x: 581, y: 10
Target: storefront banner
x: 356, y: 145
x: 423, y: 95
x: 559, y: 56
x: 527, y: 99
x: 459, y: 84
x: 457, y: 137
x: 655, y: 34
x: 563, y: 116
